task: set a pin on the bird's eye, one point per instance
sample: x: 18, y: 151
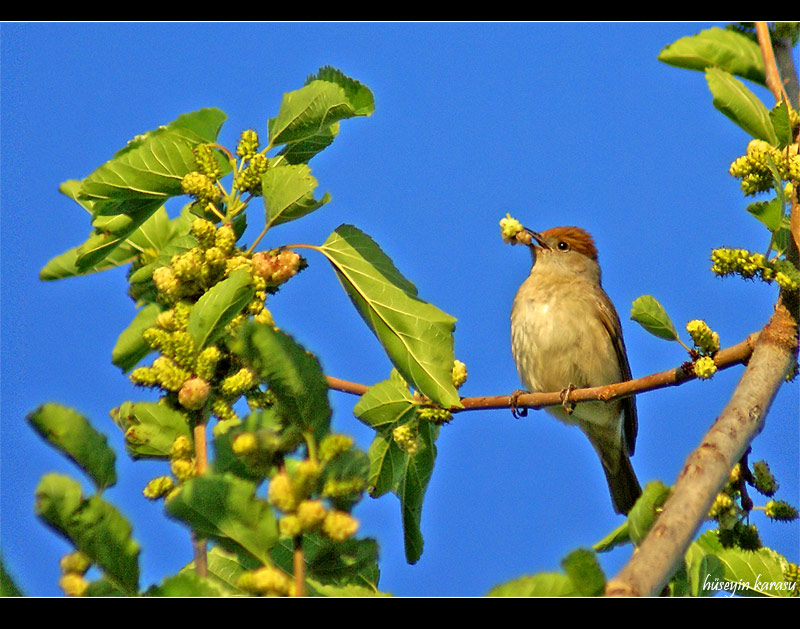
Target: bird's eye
x: 563, y: 245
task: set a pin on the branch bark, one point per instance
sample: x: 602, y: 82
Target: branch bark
x: 724, y: 358
x: 707, y: 469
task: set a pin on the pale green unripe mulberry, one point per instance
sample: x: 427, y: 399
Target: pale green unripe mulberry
x: 75, y: 562
x: 405, y: 437
x: 205, y: 231
x: 166, y: 282
x: 244, y: 443
x: 222, y: 410
x: 702, y: 336
x: 333, y: 445
x: 144, y: 377
x: 73, y: 584
x: 158, y: 488
x: 187, y: 266
x: 238, y: 383
x: 200, y: 186
x: 339, y: 526
x: 249, y: 179
x: 266, y: 581
x: 763, y: 479
x: 248, y: 144
x: 459, y: 373
x: 264, y: 317
x: 343, y: 488
x: 289, y: 526
x: 310, y: 514
x: 281, y: 493
x: 704, y: 367
x: 206, y: 160
x: 225, y: 238
x: 780, y: 510
x: 434, y: 414
x: 722, y: 504
x: 181, y: 448
x: 509, y: 228
x: 194, y: 393
x: 206, y: 362
x: 183, y: 469
x: 169, y: 374
x: 305, y: 477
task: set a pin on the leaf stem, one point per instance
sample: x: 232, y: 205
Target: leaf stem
x: 299, y: 566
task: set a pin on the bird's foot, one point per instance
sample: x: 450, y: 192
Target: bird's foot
x: 565, y: 403
x: 516, y: 411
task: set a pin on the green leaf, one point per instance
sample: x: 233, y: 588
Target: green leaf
x: 650, y: 314
x: 583, y: 569
x: 700, y: 568
x: 769, y: 213
x: 187, y: 584
x: 411, y: 490
x: 111, y: 251
x: 71, y: 432
x: 386, y: 404
x: 417, y: 336
x: 131, y: 347
x: 150, y: 428
x: 732, y: 98
x: 725, y: 49
x: 218, y: 306
x: 7, y: 585
x: 294, y: 376
x: 112, y: 232
x: 301, y: 152
x: 746, y: 572
x: 324, y: 100
x: 646, y: 510
x: 618, y: 537
x: 289, y: 193
x: 153, y: 164
x: 352, y: 562
x: 94, y: 526
x: 782, y: 124
x: 226, y: 509
x: 547, y: 584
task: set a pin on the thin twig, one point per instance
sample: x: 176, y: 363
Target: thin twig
x: 299, y: 567
x: 201, y: 467
x: 723, y: 359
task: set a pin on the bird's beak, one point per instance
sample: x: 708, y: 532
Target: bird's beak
x: 536, y: 239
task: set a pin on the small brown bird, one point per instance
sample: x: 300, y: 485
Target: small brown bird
x: 566, y: 334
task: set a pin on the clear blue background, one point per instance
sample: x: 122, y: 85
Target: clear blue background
x: 555, y: 123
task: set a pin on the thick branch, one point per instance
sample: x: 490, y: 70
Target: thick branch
x: 774, y: 83
x: 728, y: 357
x: 707, y: 469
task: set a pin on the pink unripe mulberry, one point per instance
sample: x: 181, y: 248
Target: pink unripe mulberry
x: 194, y: 393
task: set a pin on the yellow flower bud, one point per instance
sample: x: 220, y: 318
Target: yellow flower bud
x: 281, y: 493
x: 76, y: 562
x: 509, y: 228
x: 339, y: 526
x: 73, y: 584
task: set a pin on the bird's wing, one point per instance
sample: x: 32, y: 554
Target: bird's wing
x: 610, y: 319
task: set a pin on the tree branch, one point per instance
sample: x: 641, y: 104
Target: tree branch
x: 724, y: 358
x: 707, y: 469
x: 774, y: 83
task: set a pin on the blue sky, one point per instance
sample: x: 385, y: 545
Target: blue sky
x: 557, y: 124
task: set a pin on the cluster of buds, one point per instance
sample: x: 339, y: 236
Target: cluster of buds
x: 509, y: 229
x: 754, y: 265
x: 459, y: 374
x: 191, y: 273
x: 706, y: 342
x: 73, y: 568
x: 407, y: 438
x: 293, y: 494
x: 754, y: 168
x: 791, y: 576
x: 732, y: 506
x: 277, y: 266
x: 266, y: 581
x: 253, y: 165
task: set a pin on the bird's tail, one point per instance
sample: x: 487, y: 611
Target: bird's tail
x: 622, y: 484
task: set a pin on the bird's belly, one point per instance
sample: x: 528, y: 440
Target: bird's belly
x: 554, y: 347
